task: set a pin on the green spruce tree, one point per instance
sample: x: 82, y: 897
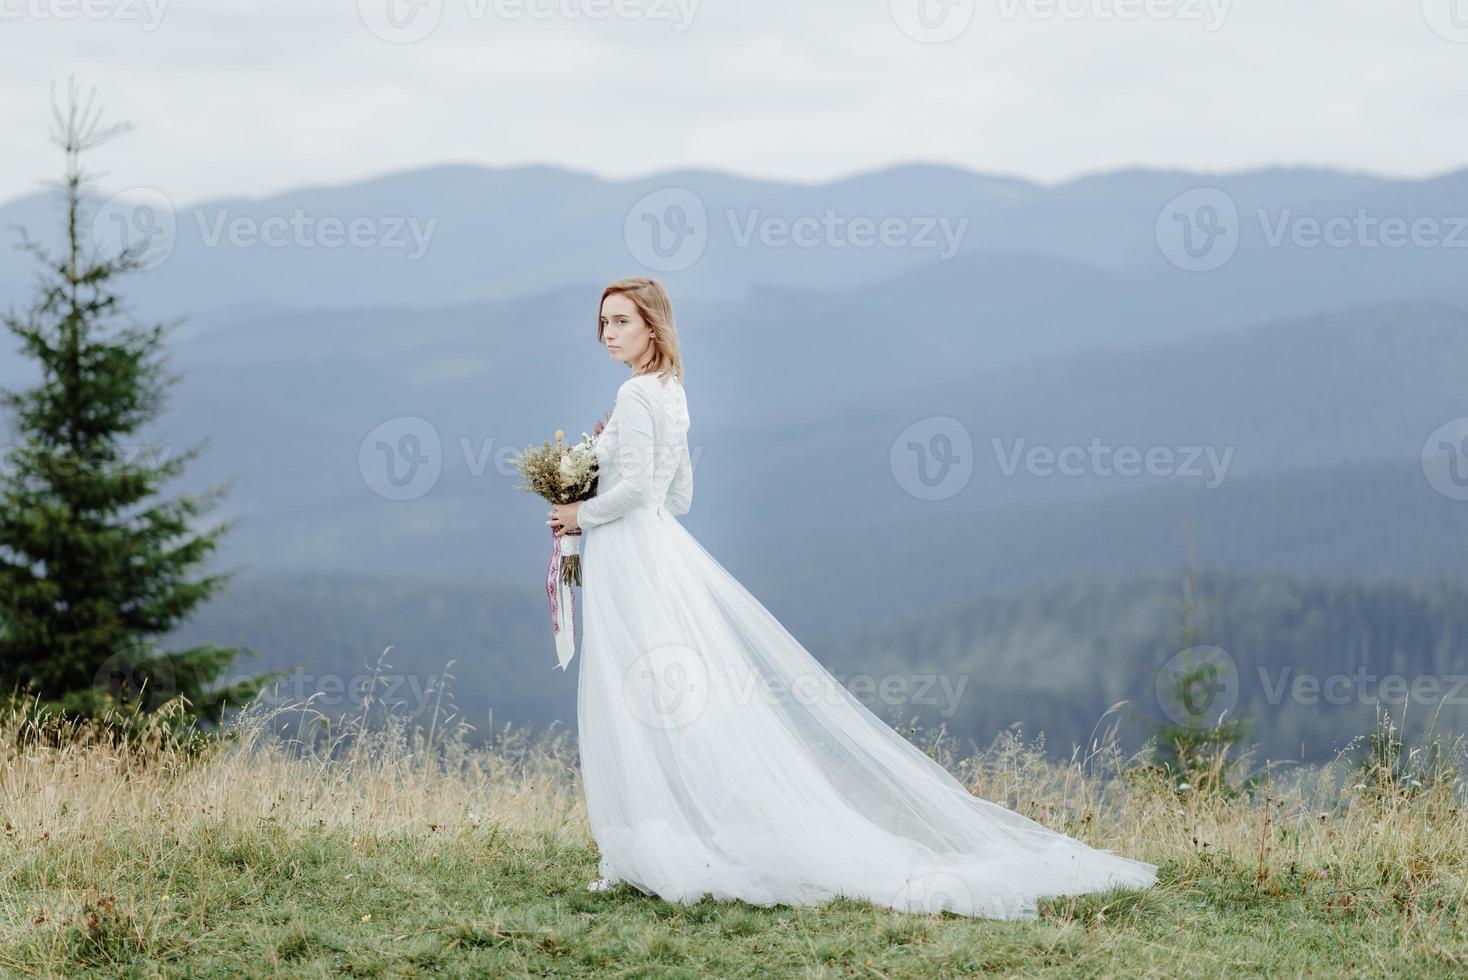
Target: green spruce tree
x: 95, y: 568
x: 1200, y: 749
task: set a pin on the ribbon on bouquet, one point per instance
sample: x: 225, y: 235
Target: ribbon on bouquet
x: 562, y: 596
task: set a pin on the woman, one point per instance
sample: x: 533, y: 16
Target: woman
x: 718, y: 756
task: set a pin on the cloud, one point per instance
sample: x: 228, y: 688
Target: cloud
x: 236, y: 97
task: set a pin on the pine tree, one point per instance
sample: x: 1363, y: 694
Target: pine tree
x: 95, y: 569
x: 1199, y: 754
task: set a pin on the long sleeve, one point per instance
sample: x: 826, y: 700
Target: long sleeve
x: 680, y: 492
x: 635, y: 453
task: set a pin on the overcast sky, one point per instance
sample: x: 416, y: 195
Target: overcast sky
x: 238, y: 97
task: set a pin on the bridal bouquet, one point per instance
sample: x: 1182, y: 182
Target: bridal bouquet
x: 562, y: 473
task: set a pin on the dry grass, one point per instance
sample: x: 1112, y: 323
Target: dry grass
x: 390, y: 848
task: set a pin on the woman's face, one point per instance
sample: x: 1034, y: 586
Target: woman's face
x: 626, y: 334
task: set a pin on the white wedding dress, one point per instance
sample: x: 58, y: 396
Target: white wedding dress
x: 720, y: 758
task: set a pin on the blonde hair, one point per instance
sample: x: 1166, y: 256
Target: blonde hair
x: 656, y: 309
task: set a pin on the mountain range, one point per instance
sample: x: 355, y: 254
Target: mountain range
x: 878, y: 432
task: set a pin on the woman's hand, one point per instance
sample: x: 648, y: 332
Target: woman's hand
x: 563, y: 517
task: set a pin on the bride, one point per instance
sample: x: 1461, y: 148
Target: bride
x: 718, y: 756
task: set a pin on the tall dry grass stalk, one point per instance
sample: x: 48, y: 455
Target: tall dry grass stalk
x: 66, y: 782
x: 69, y: 780
x: 1331, y: 822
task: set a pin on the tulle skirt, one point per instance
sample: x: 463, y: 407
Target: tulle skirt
x: 720, y: 758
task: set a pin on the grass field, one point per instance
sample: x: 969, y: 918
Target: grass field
x: 392, y: 852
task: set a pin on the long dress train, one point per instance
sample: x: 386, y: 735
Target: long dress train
x: 719, y: 757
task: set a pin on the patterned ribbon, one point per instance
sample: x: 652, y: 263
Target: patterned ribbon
x: 562, y: 597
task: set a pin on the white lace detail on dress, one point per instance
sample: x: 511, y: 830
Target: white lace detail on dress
x: 642, y: 453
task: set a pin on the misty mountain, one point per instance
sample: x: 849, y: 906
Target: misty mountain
x: 1051, y: 659
x: 876, y: 431
x: 1321, y: 420
x: 1343, y: 400
x: 1309, y: 662
x: 457, y: 234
